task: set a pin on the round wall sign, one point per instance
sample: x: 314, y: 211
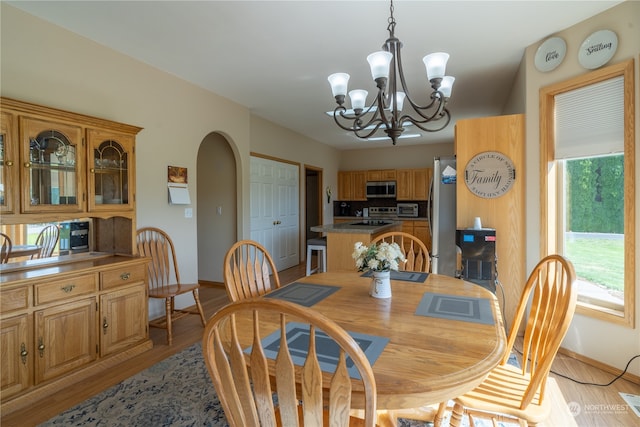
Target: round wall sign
x: 597, y: 49
x: 489, y: 174
x: 550, y: 54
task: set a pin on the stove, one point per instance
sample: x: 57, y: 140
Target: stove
x: 383, y: 212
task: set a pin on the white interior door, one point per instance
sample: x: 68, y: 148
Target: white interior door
x: 275, y: 208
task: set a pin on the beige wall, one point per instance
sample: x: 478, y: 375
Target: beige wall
x: 394, y: 157
x: 611, y: 344
x: 45, y: 64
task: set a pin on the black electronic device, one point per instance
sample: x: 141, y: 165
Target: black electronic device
x: 479, y: 260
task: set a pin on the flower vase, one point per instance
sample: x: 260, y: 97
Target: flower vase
x: 381, y: 284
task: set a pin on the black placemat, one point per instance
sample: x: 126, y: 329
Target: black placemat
x: 407, y: 276
x: 306, y: 294
x: 328, y: 351
x: 454, y: 307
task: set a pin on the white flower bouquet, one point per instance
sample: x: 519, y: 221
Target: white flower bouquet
x: 378, y: 257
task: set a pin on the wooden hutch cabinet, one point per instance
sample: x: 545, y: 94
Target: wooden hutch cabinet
x: 65, y: 318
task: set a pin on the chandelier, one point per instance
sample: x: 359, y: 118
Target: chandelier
x: 386, y: 110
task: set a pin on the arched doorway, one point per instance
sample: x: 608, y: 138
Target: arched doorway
x: 216, y: 206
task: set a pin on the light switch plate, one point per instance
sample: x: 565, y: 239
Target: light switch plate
x: 188, y: 212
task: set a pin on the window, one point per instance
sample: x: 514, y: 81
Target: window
x: 591, y: 234
x: 587, y: 182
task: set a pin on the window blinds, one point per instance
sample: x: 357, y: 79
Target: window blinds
x: 590, y: 121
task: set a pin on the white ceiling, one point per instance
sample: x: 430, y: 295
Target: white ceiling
x: 274, y: 56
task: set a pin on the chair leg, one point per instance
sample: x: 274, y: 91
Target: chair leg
x: 196, y: 297
x: 437, y: 420
x: 168, y: 307
x: 308, y: 271
x: 324, y: 260
x: 456, y: 415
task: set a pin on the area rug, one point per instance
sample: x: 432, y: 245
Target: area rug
x: 174, y: 392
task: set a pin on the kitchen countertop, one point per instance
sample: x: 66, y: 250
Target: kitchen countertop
x: 350, y: 227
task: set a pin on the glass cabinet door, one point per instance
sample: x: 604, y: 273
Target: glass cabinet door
x: 111, y: 170
x: 8, y: 165
x: 53, y: 162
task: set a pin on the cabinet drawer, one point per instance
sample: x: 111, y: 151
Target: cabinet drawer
x: 122, y: 276
x: 14, y: 299
x: 65, y: 288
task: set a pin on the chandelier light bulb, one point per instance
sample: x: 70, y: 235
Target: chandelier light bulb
x: 379, y: 63
x: 446, y: 85
x: 436, y: 64
x: 358, y: 99
x: 399, y: 100
x: 339, y: 82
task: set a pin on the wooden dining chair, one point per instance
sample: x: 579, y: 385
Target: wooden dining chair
x: 47, y: 240
x: 245, y: 381
x: 415, y: 251
x: 164, y: 278
x: 5, y: 248
x: 249, y: 271
x: 517, y: 395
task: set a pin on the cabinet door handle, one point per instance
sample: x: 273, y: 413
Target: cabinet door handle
x: 125, y: 276
x: 92, y: 170
x: 105, y: 326
x: 67, y: 288
x: 9, y: 163
x: 24, y: 353
x: 27, y: 164
x: 41, y: 347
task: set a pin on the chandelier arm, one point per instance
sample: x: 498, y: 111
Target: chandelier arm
x: 356, y: 120
x: 436, y: 114
x: 368, y: 134
x: 436, y: 95
x: 420, y: 108
x: 381, y: 109
x: 418, y: 123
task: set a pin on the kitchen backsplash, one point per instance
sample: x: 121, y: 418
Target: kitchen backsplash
x: 342, y: 208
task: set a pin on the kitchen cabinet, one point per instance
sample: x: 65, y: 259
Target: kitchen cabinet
x: 413, y: 184
x: 60, y: 328
x: 352, y: 185
x: 419, y: 229
x: 60, y: 166
x: 381, y: 175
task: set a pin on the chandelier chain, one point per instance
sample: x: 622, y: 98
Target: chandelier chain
x: 392, y: 22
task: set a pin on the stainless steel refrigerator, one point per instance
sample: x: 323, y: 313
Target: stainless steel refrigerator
x: 442, y: 216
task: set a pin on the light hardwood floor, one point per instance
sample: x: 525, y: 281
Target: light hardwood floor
x: 599, y: 406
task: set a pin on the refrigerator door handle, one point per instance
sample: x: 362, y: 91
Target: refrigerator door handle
x: 430, y: 207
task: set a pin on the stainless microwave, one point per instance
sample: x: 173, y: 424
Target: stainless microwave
x: 381, y: 189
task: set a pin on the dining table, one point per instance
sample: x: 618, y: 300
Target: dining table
x: 19, y: 251
x: 435, y: 338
